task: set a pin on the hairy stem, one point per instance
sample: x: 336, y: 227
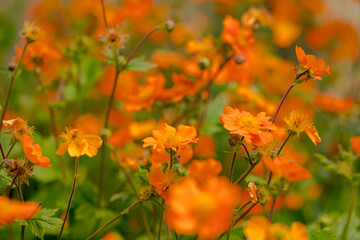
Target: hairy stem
x: 114, y: 219
x: 71, y: 196
x: 13, y: 76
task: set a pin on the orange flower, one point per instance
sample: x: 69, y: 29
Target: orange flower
x: 12, y: 209
x: 297, y: 122
x: 206, y: 209
x: 205, y: 147
x: 287, y: 169
x: 161, y: 181
x: 88, y: 123
x: 111, y: 236
x: 245, y: 124
x: 333, y: 104
x: 77, y: 143
x: 259, y: 228
x: 206, y: 169
x: 18, y: 127
x: 169, y: 137
x: 34, y: 152
x: 355, y: 144
x: 316, y: 67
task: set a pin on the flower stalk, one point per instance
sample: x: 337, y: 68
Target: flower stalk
x: 71, y: 196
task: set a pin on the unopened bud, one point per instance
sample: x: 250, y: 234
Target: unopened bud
x: 169, y: 25
x: 204, y: 63
x: 145, y: 192
x: 239, y: 59
x: 233, y: 141
x: 11, y: 66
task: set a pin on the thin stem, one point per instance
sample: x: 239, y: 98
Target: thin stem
x: 22, y: 230
x: 13, y: 181
x: 176, y: 236
x: 248, y: 171
x: 7, y: 99
x: 244, y: 214
x: 351, y: 210
x: 2, y: 152
x: 171, y: 159
x: 158, y: 203
x: 285, y: 95
x: 244, y: 206
x: 232, y: 166
x: 248, y: 154
x: 125, y: 211
x: 160, y: 224
x: 10, y: 149
x: 146, y: 225
x: 281, y: 148
x: 71, y: 196
x: 272, y: 209
x: 104, y: 13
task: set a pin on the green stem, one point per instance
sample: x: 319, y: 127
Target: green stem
x: 7, y: 99
x: 160, y: 224
x: 71, y: 196
x: 114, y: 219
x: 9, y: 151
x: 247, y: 153
x: 22, y: 230
x: 351, y: 210
x: 248, y: 171
x: 232, y: 166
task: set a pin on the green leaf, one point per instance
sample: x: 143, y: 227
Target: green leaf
x: 142, y: 174
x: 43, y: 222
x: 324, y: 234
x: 139, y: 64
x: 5, y: 180
x: 332, y: 166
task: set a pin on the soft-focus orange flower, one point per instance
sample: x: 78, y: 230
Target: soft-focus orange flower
x: 205, y: 147
x: 205, y: 169
x: 34, y: 152
x: 259, y: 228
x: 333, y: 104
x: 297, y: 122
x: 316, y: 67
x: 10, y: 210
x: 120, y: 137
x: 18, y: 127
x: 206, y: 209
x: 78, y: 143
x: 141, y: 129
x: 355, y: 144
x: 293, y: 201
x: 111, y: 236
x: 255, y: 128
x: 169, y: 137
x: 343, y: 34
x: 88, y: 123
x: 166, y: 59
x: 161, y: 181
x: 287, y: 169
x: 185, y: 154
x: 237, y: 36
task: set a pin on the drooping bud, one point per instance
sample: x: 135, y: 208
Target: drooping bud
x: 169, y: 25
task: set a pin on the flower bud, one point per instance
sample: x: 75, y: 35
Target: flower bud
x: 169, y: 25
x: 239, y: 59
x: 145, y: 192
x: 233, y: 141
x: 11, y: 66
x: 204, y: 63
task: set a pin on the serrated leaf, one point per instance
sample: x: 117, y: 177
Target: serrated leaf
x: 142, y: 174
x: 139, y: 64
x: 332, y: 166
x: 43, y: 222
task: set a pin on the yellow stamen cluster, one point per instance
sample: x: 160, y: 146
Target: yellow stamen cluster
x: 269, y: 149
x: 114, y: 38
x: 297, y: 121
x: 31, y: 31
